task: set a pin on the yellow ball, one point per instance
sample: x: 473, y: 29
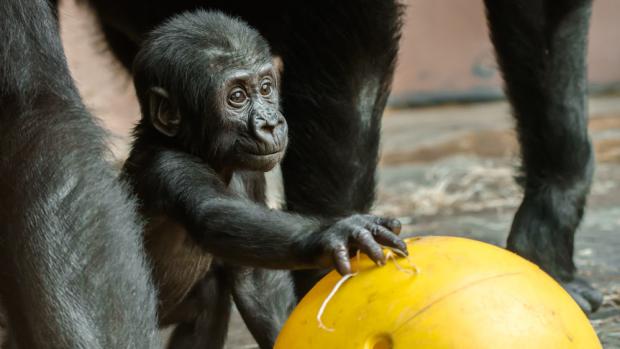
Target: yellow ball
x: 450, y: 293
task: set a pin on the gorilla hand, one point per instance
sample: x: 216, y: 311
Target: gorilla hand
x: 367, y: 233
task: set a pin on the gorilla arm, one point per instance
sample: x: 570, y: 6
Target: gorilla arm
x: 243, y: 232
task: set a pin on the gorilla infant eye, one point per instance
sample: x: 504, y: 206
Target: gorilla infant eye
x: 266, y: 87
x: 237, y: 97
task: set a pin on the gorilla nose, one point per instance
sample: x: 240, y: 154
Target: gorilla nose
x: 270, y: 129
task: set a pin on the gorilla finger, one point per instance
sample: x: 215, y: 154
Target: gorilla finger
x: 395, y: 226
x: 388, y: 239
x: 369, y: 246
x: 390, y: 223
x: 340, y: 256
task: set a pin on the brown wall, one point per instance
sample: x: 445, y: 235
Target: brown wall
x: 445, y: 51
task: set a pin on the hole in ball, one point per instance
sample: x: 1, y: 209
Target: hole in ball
x: 380, y: 341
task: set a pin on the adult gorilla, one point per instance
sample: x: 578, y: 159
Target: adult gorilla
x: 72, y: 271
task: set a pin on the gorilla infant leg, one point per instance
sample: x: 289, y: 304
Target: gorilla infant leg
x: 264, y: 298
x: 210, y: 303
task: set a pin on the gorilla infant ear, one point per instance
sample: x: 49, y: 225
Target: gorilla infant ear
x: 164, y: 117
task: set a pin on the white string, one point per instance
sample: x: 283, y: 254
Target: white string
x: 329, y: 298
x: 412, y: 271
x: 390, y: 254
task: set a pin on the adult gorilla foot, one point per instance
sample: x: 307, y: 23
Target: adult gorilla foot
x: 543, y: 231
x: 588, y: 297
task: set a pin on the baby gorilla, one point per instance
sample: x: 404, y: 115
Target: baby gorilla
x: 211, y: 126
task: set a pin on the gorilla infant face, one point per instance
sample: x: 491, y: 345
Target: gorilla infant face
x: 213, y: 94
x: 254, y: 131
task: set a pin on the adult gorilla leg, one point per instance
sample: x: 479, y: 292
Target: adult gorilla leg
x: 72, y: 270
x: 541, y: 48
x: 338, y: 65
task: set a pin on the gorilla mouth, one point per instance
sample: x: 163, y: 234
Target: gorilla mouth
x: 259, y: 156
x: 262, y: 162
x: 263, y: 154
x: 261, y: 150
x: 270, y: 157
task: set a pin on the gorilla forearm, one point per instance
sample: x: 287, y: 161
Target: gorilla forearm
x: 242, y: 231
x: 277, y: 239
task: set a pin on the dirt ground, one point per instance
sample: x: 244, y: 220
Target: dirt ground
x: 445, y: 170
